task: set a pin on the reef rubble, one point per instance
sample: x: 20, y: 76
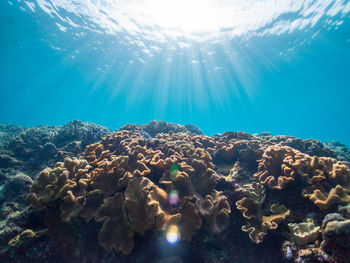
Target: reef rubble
x: 164, y: 192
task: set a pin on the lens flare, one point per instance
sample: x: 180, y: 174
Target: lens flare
x: 173, y: 197
x: 173, y: 235
x: 174, y: 170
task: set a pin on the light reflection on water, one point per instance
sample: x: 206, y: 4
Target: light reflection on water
x: 195, y: 20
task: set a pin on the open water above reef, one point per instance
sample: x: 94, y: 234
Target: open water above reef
x: 277, y: 66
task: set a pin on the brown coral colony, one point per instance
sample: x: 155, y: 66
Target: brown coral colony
x: 111, y: 183
x: 134, y: 185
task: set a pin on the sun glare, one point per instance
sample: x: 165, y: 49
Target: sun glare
x: 198, y: 20
x: 188, y: 16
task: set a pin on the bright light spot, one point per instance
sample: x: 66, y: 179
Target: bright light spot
x: 174, y: 170
x: 173, y: 198
x: 172, y: 235
x: 183, y: 15
x: 194, y: 19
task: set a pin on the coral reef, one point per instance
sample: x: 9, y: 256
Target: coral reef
x: 117, y: 170
x: 29, y: 150
x: 26, y: 151
x: 336, y: 236
x: 310, y: 147
x: 343, y: 153
x: 154, y: 127
x: 15, y: 189
x: 116, y: 197
x: 7, y: 131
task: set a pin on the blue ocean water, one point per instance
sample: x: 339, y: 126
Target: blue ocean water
x: 254, y: 66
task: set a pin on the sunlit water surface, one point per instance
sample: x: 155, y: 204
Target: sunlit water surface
x: 253, y: 65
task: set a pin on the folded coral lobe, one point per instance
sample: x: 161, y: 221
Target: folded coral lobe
x: 252, y: 208
x: 279, y: 165
x: 116, y: 233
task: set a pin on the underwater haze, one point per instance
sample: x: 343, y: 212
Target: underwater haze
x: 253, y: 66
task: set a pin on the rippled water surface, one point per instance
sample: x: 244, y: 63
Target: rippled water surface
x: 254, y: 65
